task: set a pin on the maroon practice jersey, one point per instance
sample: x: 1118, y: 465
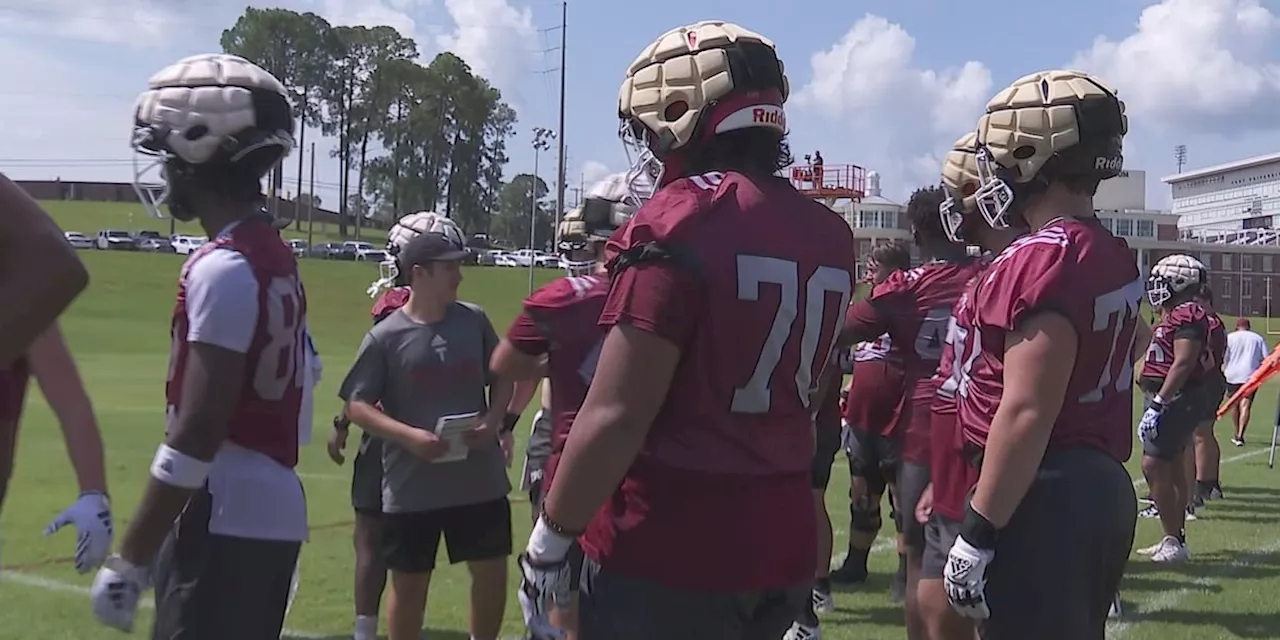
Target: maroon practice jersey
x: 952, y: 473
x: 750, y: 279
x: 266, y: 417
x: 1078, y: 269
x: 389, y: 301
x: 914, y: 308
x: 1217, y: 343
x: 1187, y: 321
x: 560, y: 320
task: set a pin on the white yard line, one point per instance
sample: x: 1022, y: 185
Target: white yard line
x: 57, y: 586
x: 1170, y: 599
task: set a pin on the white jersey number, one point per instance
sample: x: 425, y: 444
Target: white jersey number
x: 756, y: 396
x: 284, y: 355
x: 1116, y: 310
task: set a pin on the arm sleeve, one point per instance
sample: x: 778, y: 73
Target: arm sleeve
x: 366, y: 381
x: 528, y: 335
x: 222, y: 301
x: 662, y: 296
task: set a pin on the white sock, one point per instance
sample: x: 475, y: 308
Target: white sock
x: 366, y: 628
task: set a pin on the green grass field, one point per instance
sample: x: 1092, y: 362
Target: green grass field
x: 119, y: 332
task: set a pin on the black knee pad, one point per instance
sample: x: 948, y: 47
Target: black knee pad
x: 864, y: 515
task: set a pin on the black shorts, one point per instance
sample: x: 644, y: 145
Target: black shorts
x: 912, y: 480
x: 827, y: 443
x: 1233, y: 388
x: 213, y: 587
x: 872, y: 457
x: 366, y: 476
x: 939, y: 535
x: 473, y: 532
x: 1177, y: 424
x: 1071, y: 535
x: 618, y: 607
x: 1216, y: 390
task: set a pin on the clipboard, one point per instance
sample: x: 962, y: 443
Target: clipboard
x: 452, y: 429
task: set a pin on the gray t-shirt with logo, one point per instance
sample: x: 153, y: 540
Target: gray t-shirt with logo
x: 420, y: 372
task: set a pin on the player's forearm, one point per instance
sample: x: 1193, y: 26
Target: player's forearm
x: 161, y: 505
x: 1015, y: 448
x: 60, y: 382
x: 521, y: 395
x: 602, y: 445
x: 371, y: 419
x: 84, y: 448
x: 500, y: 394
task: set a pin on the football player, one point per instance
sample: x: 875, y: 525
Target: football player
x: 1206, y: 456
x: 1178, y: 384
x: 557, y: 336
x: 941, y: 508
x: 871, y: 413
x: 51, y: 363
x: 392, y: 291
x: 914, y: 308
x: 1045, y: 375
x: 696, y: 435
x: 34, y: 297
x: 222, y: 519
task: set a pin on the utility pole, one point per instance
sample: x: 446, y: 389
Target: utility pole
x: 1180, y: 155
x: 311, y: 204
x: 564, y: 29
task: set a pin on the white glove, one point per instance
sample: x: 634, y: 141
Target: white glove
x: 1149, y: 424
x: 91, y: 515
x: 116, y: 591
x: 965, y: 577
x: 545, y: 580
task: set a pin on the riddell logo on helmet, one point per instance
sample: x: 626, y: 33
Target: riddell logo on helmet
x: 1108, y: 164
x: 775, y: 117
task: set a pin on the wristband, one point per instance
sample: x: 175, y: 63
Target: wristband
x: 1158, y: 401
x: 977, y: 529
x: 509, y: 422
x: 548, y: 541
x: 178, y: 469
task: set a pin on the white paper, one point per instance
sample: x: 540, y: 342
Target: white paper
x: 452, y: 429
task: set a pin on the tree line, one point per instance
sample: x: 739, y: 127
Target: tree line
x: 411, y: 136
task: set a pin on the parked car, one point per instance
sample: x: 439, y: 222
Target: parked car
x: 363, y: 249
x: 155, y: 245
x: 333, y: 251
x: 298, y: 247
x: 78, y: 240
x: 506, y: 260
x: 372, y: 256
x: 184, y: 245
x: 115, y: 239
x: 147, y: 234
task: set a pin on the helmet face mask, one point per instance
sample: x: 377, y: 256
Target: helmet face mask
x: 960, y: 183
x: 994, y: 196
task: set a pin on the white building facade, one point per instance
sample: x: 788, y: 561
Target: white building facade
x: 1244, y: 194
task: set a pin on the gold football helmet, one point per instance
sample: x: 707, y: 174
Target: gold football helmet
x: 1046, y: 125
x: 960, y: 182
x: 691, y: 83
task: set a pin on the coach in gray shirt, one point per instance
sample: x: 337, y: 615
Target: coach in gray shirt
x: 428, y: 360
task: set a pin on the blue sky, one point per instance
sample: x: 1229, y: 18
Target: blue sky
x: 886, y: 85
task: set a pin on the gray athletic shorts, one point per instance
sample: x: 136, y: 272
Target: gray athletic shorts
x: 366, y: 476
x: 539, y: 449
x: 939, y: 535
x: 912, y: 480
x: 1060, y: 559
x: 617, y: 607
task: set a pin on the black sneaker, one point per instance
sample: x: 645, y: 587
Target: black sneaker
x: 849, y: 574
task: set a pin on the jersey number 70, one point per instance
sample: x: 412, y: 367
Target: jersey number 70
x: 756, y: 396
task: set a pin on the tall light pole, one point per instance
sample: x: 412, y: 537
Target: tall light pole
x: 542, y: 138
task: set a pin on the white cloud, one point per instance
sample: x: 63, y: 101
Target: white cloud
x: 592, y: 172
x: 397, y: 14
x: 903, y: 117
x: 1203, y: 65
x: 494, y: 38
x: 137, y: 23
